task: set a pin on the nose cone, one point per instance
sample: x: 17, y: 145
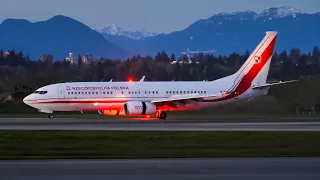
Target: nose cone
x: 26, y: 99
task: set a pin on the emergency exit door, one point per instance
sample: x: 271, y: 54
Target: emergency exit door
x: 60, y: 92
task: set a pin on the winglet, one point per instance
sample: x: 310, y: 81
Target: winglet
x: 142, y: 79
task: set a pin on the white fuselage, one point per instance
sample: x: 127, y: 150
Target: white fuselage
x: 90, y: 96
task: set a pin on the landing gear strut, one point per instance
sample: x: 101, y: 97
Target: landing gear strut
x: 51, y: 116
x: 161, y: 115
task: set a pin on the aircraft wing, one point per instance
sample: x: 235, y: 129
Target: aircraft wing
x: 183, y: 98
x: 271, y: 84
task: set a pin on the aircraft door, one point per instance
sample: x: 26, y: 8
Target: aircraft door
x: 60, y: 92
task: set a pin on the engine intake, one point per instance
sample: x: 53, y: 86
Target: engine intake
x: 139, y: 108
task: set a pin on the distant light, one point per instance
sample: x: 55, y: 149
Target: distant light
x: 147, y: 116
x: 96, y: 104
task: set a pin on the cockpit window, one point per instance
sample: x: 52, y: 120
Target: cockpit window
x: 40, y: 92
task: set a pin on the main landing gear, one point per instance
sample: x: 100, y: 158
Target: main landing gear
x: 51, y: 116
x: 161, y: 115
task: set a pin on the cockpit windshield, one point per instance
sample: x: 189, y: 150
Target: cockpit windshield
x: 40, y: 92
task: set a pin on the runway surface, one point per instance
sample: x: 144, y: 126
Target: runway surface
x: 177, y: 169
x: 155, y: 125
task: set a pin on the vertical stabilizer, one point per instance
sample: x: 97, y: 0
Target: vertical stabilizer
x: 256, y: 67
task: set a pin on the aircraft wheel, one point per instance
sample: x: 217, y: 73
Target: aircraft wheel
x: 51, y: 116
x: 162, y: 115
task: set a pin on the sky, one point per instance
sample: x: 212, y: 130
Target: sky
x: 154, y: 15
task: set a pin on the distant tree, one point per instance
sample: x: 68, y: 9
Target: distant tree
x: 158, y: 57
x: 173, y: 58
x: 1, y: 58
x: 316, y: 55
x: 164, y: 57
x: 79, y: 60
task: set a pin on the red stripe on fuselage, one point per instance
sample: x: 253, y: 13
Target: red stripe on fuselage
x: 245, y: 83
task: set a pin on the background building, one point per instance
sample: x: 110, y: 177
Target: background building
x: 87, y: 59
x: 46, y: 58
x: 72, y: 59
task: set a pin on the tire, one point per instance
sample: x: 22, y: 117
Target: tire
x: 51, y: 116
x: 163, y: 115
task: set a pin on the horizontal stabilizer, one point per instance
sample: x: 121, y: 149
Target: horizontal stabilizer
x: 272, y: 84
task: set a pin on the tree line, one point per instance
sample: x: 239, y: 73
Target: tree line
x: 19, y: 73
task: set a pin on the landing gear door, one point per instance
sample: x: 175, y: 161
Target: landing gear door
x: 60, y: 92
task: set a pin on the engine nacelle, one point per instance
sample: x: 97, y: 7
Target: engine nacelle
x: 136, y: 108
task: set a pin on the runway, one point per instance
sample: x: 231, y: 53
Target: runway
x: 155, y: 125
x: 159, y: 169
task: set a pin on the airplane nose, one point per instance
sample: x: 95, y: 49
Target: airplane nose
x: 25, y: 100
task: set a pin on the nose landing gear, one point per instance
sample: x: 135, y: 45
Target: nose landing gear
x: 51, y: 116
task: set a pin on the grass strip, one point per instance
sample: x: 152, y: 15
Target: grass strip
x: 146, y: 144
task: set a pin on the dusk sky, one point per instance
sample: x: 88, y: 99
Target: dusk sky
x: 153, y: 15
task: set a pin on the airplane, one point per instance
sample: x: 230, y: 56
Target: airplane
x: 157, y: 98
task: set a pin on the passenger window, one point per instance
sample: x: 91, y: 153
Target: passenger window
x: 111, y: 92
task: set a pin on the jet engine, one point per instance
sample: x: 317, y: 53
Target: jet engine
x: 136, y: 108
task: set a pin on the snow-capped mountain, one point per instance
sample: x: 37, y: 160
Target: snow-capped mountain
x: 234, y: 32
x: 280, y: 12
x: 270, y: 13
x: 112, y: 29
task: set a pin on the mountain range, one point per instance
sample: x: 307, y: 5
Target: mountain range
x: 233, y: 32
x: 56, y: 36
x: 225, y: 33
